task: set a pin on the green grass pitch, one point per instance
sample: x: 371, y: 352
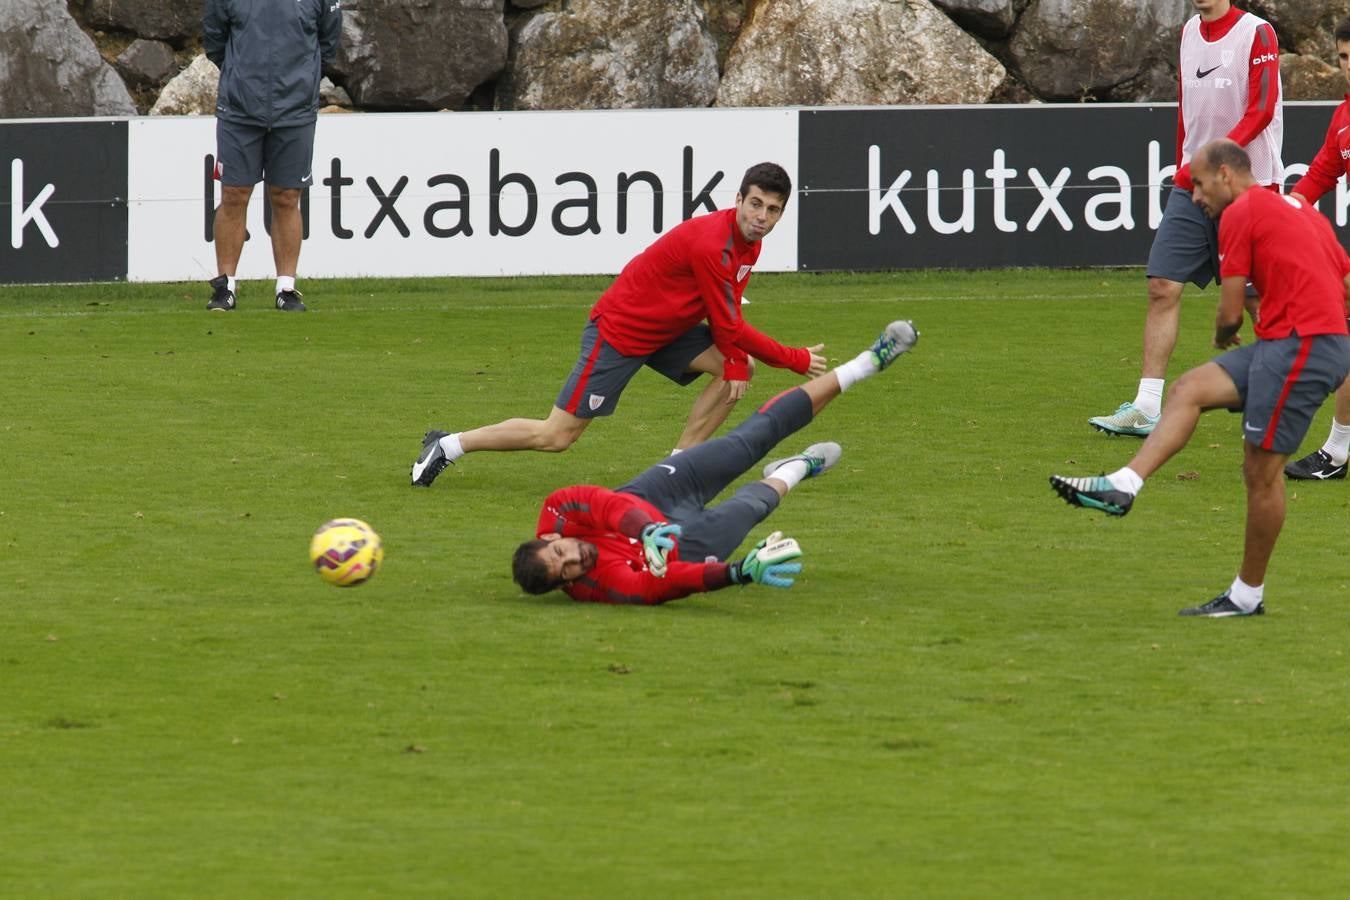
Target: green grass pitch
x: 973, y: 690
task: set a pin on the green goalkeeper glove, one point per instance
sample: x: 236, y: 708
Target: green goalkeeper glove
x: 658, y: 539
x: 770, y: 562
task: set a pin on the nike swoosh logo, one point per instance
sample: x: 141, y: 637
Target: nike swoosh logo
x: 1202, y: 74
x: 668, y: 468
x: 1323, y: 474
x: 1251, y: 427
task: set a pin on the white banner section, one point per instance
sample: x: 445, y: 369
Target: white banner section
x: 521, y: 193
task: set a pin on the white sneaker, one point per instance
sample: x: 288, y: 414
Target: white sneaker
x: 1128, y: 419
x: 819, y: 459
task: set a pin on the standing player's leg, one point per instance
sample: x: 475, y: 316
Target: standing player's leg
x: 1185, y: 249
x: 289, y: 156
x: 239, y: 167
x: 1263, y: 473
x: 287, y: 234
x: 592, y: 390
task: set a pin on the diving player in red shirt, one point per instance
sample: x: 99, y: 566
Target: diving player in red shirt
x: 676, y: 308
x: 655, y: 539
x: 1331, y: 162
x: 1302, y: 353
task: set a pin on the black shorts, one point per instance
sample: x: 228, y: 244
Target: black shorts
x: 1186, y: 247
x: 247, y: 154
x: 601, y: 372
x: 1282, y: 384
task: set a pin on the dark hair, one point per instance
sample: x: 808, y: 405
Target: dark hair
x: 529, y: 570
x: 1342, y: 32
x: 770, y: 178
x: 1227, y: 153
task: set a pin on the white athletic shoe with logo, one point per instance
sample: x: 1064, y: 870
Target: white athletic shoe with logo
x: 1128, y: 419
x: 819, y: 459
x: 432, y: 460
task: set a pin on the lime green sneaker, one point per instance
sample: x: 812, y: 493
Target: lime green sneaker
x: 1128, y: 419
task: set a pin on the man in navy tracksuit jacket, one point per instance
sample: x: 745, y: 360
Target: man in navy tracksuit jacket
x: 271, y: 55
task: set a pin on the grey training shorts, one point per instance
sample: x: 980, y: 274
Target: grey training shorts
x: 247, y: 154
x: 602, y: 372
x: 1283, y: 383
x: 1186, y: 247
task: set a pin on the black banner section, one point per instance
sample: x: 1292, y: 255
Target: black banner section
x: 987, y: 187
x: 63, y: 206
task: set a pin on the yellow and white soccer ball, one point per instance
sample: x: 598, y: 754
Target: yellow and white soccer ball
x: 346, y: 552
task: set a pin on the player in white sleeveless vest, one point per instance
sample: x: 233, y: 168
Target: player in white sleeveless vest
x: 1229, y: 87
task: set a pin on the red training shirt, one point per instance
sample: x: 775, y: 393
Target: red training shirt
x: 1263, y: 84
x: 1332, y: 160
x: 613, y: 521
x: 1292, y: 256
x: 698, y: 270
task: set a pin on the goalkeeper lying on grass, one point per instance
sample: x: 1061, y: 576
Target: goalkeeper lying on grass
x: 653, y: 540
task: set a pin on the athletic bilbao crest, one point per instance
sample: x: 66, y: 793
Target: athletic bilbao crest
x: 595, y: 401
x: 742, y: 272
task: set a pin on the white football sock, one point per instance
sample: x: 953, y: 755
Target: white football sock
x: 285, y: 283
x: 1126, y: 480
x: 791, y: 473
x: 864, y: 365
x: 1244, y: 596
x: 1149, y: 398
x: 229, y: 283
x: 450, y: 444
x: 1338, y: 443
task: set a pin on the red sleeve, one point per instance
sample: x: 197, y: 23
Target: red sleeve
x: 620, y: 584
x: 1326, y: 167
x: 733, y: 336
x: 1263, y: 86
x: 1182, y: 178
x: 1235, y: 241
x: 582, y: 508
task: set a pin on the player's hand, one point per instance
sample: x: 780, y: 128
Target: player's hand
x: 658, y: 539
x: 771, y: 562
x: 736, y: 390
x: 1234, y: 340
x: 818, y: 365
